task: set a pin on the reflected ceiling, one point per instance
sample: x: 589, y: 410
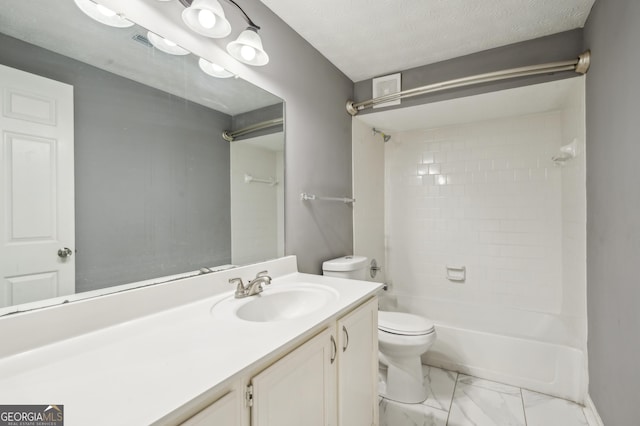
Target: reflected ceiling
x: 73, y: 34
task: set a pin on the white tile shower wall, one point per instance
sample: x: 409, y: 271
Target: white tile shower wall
x: 485, y: 196
x: 254, y: 211
x: 574, y: 220
x: 368, y: 189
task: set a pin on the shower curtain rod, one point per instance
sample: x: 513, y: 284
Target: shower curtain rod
x: 579, y: 65
x: 231, y: 135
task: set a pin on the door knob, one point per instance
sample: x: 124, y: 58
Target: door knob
x: 65, y: 252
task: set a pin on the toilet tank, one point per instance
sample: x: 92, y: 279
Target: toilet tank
x: 351, y: 267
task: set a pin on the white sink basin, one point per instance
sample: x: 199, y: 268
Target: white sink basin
x: 277, y: 303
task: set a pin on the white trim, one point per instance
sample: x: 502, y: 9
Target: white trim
x: 590, y: 412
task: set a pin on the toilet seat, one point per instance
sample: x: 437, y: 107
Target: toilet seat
x: 404, y: 324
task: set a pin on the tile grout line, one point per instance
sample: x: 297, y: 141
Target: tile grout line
x: 524, y: 412
x: 455, y: 385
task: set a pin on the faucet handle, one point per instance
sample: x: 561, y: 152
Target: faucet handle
x: 240, y: 290
x: 265, y: 275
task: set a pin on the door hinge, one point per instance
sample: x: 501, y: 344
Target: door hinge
x: 248, y: 396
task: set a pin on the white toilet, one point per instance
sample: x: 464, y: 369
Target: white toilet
x: 402, y: 339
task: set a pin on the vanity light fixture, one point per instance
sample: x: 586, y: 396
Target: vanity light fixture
x: 103, y: 14
x: 248, y: 48
x: 214, y: 70
x: 206, y: 17
x: 165, y: 45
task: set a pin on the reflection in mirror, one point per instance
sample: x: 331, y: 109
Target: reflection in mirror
x: 257, y: 198
x: 115, y: 173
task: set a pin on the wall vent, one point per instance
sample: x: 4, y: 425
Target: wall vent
x: 142, y: 40
x: 387, y: 85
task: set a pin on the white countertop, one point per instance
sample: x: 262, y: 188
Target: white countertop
x: 138, y: 371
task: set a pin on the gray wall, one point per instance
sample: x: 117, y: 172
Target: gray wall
x: 318, y: 129
x: 151, y: 172
x: 613, y: 202
x: 318, y: 139
x: 557, y: 47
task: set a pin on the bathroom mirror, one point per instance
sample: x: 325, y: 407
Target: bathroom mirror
x: 156, y: 193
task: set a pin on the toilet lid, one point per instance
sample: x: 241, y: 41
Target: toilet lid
x: 405, y: 324
x: 344, y: 264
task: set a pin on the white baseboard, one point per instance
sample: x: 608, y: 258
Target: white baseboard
x: 590, y: 412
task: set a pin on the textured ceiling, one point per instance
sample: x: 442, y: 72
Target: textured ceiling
x: 370, y: 38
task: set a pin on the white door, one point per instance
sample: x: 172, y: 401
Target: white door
x: 358, y: 363
x: 36, y: 188
x: 299, y: 389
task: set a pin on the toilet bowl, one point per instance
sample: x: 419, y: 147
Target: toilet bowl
x: 402, y: 339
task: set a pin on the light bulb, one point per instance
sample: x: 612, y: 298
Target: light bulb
x: 206, y: 18
x: 105, y: 10
x: 247, y: 52
x: 216, y: 67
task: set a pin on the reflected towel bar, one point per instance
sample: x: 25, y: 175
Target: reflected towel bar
x: 311, y: 197
x: 271, y: 181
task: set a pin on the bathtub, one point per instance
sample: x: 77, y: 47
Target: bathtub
x: 530, y: 350
x: 543, y: 367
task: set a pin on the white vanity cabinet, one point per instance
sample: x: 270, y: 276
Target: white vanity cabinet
x: 330, y: 380
x: 219, y: 368
x: 358, y: 366
x: 299, y: 388
x: 226, y: 411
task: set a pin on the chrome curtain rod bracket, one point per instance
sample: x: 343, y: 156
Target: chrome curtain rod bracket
x: 579, y: 65
x: 312, y: 197
x: 230, y: 136
x: 584, y: 62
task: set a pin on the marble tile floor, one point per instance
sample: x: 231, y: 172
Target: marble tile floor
x: 461, y: 400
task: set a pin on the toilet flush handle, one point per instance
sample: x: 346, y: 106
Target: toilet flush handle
x: 374, y: 268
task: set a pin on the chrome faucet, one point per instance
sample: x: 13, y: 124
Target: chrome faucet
x: 240, y: 290
x: 253, y: 287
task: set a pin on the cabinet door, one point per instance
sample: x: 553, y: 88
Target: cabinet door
x: 225, y: 411
x: 299, y: 389
x: 358, y: 366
